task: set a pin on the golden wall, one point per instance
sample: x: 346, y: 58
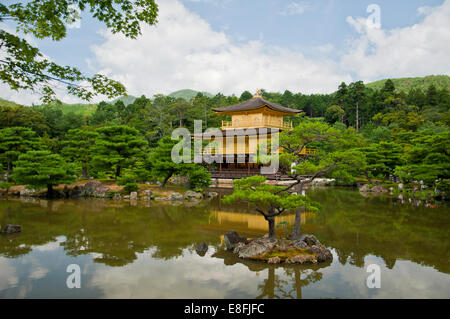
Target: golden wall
x: 256, y: 120
x: 238, y: 144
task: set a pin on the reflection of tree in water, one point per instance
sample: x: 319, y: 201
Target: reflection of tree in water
x: 114, y: 231
x: 275, y: 287
x: 299, y: 276
x: 356, y: 227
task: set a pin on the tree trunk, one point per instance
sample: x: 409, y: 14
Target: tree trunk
x: 8, y: 174
x: 271, y: 283
x: 117, y: 171
x: 296, y: 230
x: 50, y: 191
x: 357, y: 116
x: 298, y: 284
x: 84, y: 171
x: 368, y: 178
x: 166, y: 179
x: 271, y: 221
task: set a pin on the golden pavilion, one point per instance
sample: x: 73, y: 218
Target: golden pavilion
x: 253, y: 122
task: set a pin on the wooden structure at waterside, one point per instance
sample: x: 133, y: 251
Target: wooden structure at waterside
x: 239, y: 141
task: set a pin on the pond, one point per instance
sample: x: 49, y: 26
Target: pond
x: 148, y: 250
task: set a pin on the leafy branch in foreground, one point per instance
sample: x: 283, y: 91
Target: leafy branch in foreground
x: 23, y: 66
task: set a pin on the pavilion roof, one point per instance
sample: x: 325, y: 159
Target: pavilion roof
x: 253, y: 104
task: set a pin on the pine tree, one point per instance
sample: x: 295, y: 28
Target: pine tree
x: 78, y: 147
x: 388, y: 88
x: 118, y: 147
x: 164, y: 167
x: 268, y: 200
x: 246, y: 95
x: 39, y: 169
x: 13, y: 142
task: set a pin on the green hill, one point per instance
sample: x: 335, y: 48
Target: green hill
x: 406, y: 84
x: 84, y: 109
x: 187, y: 94
x: 125, y: 99
x: 4, y: 102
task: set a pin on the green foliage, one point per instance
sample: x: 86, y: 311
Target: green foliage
x: 39, y: 169
x: 382, y: 158
x: 334, y: 114
x: 164, y: 167
x: 78, y: 146
x: 268, y: 200
x: 22, y: 116
x: 162, y: 164
x: 198, y: 176
x: 187, y: 94
x: 77, y: 108
x: 118, y: 147
x: 126, y: 100
x: 25, y: 67
x: 5, y: 185
x: 406, y: 84
x: 13, y: 142
x: 128, y: 179
x: 386, y: 115
x: 334, y: 150
x: 444, y: 186
x: 402, y: 117
x: 131, y: 187
x: 246, y: 95
x: 266, y: 197
x: 427, y: 159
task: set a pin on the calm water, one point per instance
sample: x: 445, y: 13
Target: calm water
x: 127, y: 251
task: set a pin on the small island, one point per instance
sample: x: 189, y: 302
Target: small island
x: 303, y: 250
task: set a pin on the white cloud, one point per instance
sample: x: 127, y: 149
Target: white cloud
x: 295, y: 8
x: 417, y: 50
x: 425, y: 10
x: 183, y: 51
x: 190, y: 276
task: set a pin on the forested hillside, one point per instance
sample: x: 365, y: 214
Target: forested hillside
x: 406, y: 84
x: 187, y: 94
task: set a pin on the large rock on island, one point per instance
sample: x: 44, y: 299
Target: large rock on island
x: 193, y: 196
x: 176, y: 196
x: 232, y: 238
x: 92, y: 189
x: 305, y: 249
x: 256, y: 247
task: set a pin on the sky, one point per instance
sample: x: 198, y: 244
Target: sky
x: 229, y: 46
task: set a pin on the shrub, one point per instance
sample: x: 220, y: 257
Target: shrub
x: 131, y: 187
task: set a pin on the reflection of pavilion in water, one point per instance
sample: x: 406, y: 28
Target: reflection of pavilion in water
x: 250, y: 222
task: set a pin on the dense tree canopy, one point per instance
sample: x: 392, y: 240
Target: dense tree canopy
x: 400, y: 133
x: 13, y: 142
x: 39, y: 169
x: 118, y: 147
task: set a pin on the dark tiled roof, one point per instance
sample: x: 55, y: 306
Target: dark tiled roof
x: 256, y: 103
